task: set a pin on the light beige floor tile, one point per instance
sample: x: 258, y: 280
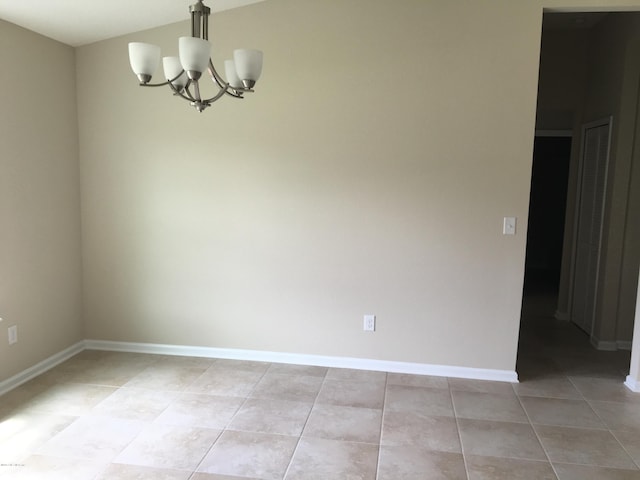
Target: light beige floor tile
x: 72, y: 399
x: 115, y: 375
x: 22, y: 398
x: 101, y: 368
x: 249, y: 454
x: 413, y: 463
x: 117, y: 471
x: 165, y: 378
x: 583, y: 472
x: 41, y: 467
x: 419, y: 435
x: 134, y: 404
x: 23, y: 433
x: 484, y: 386
x: 494, y: 468
x: 620, y: 416
x: 583, y: 446
x: 169, y: 446
x: 307, y: 370
x: 214, y: 476
x: 267, y: 415
x: 106, y: 357
x: 351, y: 424
x: 226, y: 382
x: 431, y: 433
x: 95, y: 438
x: 352, y: 375
x: 182, y: 361
x: 630, y: 441
x: 317, y: 458
x: 352, y: 394
x: 423, y: 401
x: 554, y: 387
x: 200, y: 410
x: 417, y: 380
x: 605, y: 390
x: 499, y: 439
x: 488, y: 406
x: 246, y: 365
x: 299, y: 388
x: 561, y: 412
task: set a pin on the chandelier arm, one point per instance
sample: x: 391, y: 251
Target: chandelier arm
x: 236, y: 93
x: 187, y: 94
x: 182, y: 95
x: 154, y: 84
x: 168, y: 82
x: 228, y: 89
x: 215, y: 76
x: 217, y: 96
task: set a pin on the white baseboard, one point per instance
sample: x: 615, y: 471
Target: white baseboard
x: 315, y: 360
x: 624, y: 344
x: 632, y: 384
x: 40, y: 368
x: 606, y: 346
x: 611, y: 345
x: 260, y: 356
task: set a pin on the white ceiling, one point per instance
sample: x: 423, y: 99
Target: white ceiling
x: 78, y: 22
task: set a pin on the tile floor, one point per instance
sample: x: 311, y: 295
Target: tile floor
x: 105, y: 415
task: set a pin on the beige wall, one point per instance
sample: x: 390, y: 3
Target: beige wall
x: 368, y: 174
x: 39, y: 199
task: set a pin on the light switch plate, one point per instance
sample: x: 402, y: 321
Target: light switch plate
x: 12, y: 333
x: 509, y: 226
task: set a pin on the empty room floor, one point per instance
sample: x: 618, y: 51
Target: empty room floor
x: 108, y: 415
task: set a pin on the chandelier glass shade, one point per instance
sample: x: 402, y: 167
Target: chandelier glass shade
x: 183, y: 73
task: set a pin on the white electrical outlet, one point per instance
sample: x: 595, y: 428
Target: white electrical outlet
x: 13, y: 334
x: 369, y: 323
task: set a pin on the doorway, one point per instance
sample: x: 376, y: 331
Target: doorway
x: 576, y: 56
x: 547, y: 205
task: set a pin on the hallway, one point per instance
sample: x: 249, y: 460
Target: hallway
x: 554, y: 349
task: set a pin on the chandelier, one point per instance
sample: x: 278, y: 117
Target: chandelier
x: 183, y: 73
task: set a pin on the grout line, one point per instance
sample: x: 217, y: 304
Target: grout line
x: 635, y: 462
x: 269, y: 365
x: 384, y: 406
x: 222, y: 430
x: 610, y: 430
x: 455, y: 416
x: 535, y: 432
x: 304, y: 426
